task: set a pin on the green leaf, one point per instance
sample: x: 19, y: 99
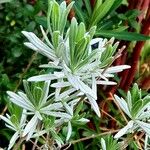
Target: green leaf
x: 55, y: 16
x: 116, y: 4
x: 101, y: 11
x: 50, y: 5
x: 127, y: 36
x: 79, y: 108
x: 81, y: 31
x: 28, y: 92
x: 136, y: 107
x: 88, y: 7
x: 55, y: 39
x: 135, y: 93
x: 72, y: 38
x: 64, y: 14
x: 80, y: 13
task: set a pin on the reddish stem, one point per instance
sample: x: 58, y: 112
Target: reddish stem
x: 128, y: 75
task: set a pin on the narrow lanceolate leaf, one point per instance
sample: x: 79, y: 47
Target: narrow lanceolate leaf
x: 116, y: 69
x: 46, y: 38
x: 60, y: 84
x: 103, y: 143
x: 16, y: 99
x: 129, y: 100
x: 127, y: 36
x: 72, y: 38
x: 45, y: 92
x: 55, y: 16
x: 122, y: 103
x: 64, y: 14
x: 58, y: 114
x: 144, y: 126
x: 68, y: 108
x: 86, y: 89
x: 106, y: 82
x: 124, y: 130
x: 94, y: 105
x: 54, y: 106
x: 30, y: 127
x: 105, y: 7
x: 13, y: 140
x: 7, y: 120
x: 38, y: 45
x: 69, y: 131
x: 44, y: 77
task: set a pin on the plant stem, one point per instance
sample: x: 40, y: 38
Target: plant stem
x: 16, y: 147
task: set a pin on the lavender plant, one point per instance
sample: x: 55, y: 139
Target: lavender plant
x: 54, y: 100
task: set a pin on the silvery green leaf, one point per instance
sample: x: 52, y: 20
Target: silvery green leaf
x: 31, y: 46
x: 30, y: 127
x: 103, y: 144
x: 94, y: 105
x: 84, y: 120
x: 26, y: 99
x: 142, y: 110
x: 101, y: 76
x: 144, y: 126
x: 143, y: 115
x: 44, y: 77
x: 16, y: 99
x: 117, y: 69
x: 50, y: 65
x: 23, y: 117
x: 106, y: 82
x: 60, y: 84
x: 55, y: 106
x: 40, y: 46
x: 57, y: 114
x: 39, y: 133
x: 11, y: 127
x: 73, y: 80
x: 94, y: 86
x: 45, y: 92
x: 108, y: 75
x: 38, y: 115
x: 56, y: 138
x: 146, y: 142
x: 55, y: 15
x: 66, y: 93
x: 46, y: 38
x: 64, y: 13
x: 123, y: 104
x: 86, y: 89
x: 124, y: 130
x: 129, y: 101
x: 74, y: 102
x: 59, y: 122
x: 75, y: 95
x: 89, y: 66
x: 13, y: 140
x: 68, y: 108
x: 59, y: 74
x: 7, y: 120
x: 69, y: 131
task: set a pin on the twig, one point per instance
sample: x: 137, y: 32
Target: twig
x: 16, y: 147
x: 90, y: 137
